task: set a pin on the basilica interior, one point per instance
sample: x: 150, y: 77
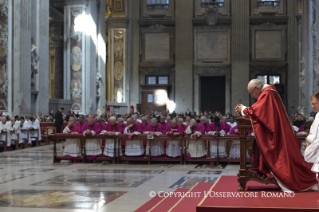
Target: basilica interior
x: 107, y: 58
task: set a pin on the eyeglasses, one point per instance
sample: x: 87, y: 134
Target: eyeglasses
x: 251, y: 93
x: 313, y: 104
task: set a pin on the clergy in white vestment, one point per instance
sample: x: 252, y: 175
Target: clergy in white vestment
x: 5, y: 130
x: 92, y: 145
x: 174, y: 147
x: 72, y: 147
x: 35, y: 130
x: 133, y: 147
x: 222, y: 128
x: 311, y: 154
x: 24, y: 125
x: 15, y: 132
x: 112, y: 129
x: 154, y: 129
x: 195, y: 148
x: 232, y: 123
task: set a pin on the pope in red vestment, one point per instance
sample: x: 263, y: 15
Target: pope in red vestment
x: 280, y: 154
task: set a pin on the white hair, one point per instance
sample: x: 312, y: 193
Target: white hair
x: 113, y: 118
x: 154, y: 120
x: 256, y: 83
x: 311, y: 118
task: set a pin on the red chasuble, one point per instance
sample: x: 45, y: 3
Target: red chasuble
x: 277, y: 142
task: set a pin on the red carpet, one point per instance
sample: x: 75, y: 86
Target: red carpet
x: 168, y: 202
x: 265, y: 200
x: 188, y: 203
x: 149, y: 204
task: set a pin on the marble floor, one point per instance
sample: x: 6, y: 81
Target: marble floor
x: 29, y: 179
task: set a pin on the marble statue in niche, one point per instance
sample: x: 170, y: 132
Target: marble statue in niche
x: 98, y: 78
x: 34, y: 61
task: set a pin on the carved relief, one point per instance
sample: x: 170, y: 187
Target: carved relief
x: 211, y: 15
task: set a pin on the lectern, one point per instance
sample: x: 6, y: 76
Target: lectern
x: 245, y: 173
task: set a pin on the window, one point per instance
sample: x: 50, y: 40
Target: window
x: 205, y: 3
x: 163, y: 80
x: 156, y: 80
x: 157, y: 4
x: 149, y: 97
x: 269, y: 79
x: 151, y: 80
x: 267, y: 3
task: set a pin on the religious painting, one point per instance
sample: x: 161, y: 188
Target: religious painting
x: 76, y: 89
x: 76, y: 58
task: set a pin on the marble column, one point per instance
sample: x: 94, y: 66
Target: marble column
x: 133, y: 46
x: 101, y: 45
x: 22, y: 55
x: 82, y: 56
x: 293, y: 59
x: 240, y: 53
x: 42, y: 43
x: 58, y: 60
x: 307, y: 74
x: 184, y: 55
x: 5, y: 57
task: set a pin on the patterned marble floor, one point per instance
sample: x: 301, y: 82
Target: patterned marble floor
x: 29, y: 179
